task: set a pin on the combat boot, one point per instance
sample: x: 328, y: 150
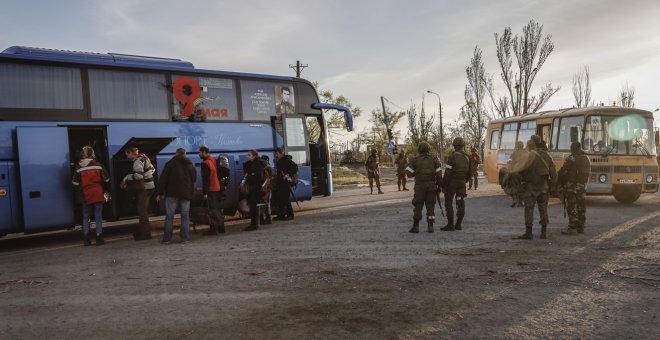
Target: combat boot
x: 399, y: 185
x: 527, y: 235
x: 544, y: 229
x: 87, y: 239
x: 430, y: 220
x: 569, y: 231
x: 450, y: 224
x: 415, y: 228
x: 380, y: 192
x: 404, y: 188
x: 457, y: 226
x: 99, y: 240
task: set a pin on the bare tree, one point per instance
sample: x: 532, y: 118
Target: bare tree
x: 582, y: 88
x: 530, y: 54
x: 474, y: 113
x: 419, y: 125
x: 336, y: 119
x: 627, y: 96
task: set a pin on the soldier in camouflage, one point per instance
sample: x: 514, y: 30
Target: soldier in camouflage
x: 475, y: 160
x: 428, y: 181
x: 573, y: 177
x: 537, y: 178
x: 458, y: 172
x: 401, y: 164
x: 373, y: 173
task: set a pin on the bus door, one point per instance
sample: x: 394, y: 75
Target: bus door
x: 96, y: 137
x: 150, y: 146
x: 45, y: 177
x: 318, y: 156
x: 296, y: 145
x: 544, y: 132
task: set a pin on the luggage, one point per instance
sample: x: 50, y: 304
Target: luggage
x: 200, y: 214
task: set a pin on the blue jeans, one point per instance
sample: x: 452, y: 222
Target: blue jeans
x: 170, y: 208
x: 98, y: 217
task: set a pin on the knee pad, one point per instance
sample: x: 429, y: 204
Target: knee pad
x: 430, y: 218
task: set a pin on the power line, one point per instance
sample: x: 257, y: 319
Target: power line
x: 389, y: 101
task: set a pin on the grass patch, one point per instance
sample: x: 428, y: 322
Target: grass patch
x: 342, y: 175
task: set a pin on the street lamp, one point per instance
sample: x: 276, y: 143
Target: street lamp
x: 442, y: 136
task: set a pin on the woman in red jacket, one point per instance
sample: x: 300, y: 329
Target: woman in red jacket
x: 90, y: 175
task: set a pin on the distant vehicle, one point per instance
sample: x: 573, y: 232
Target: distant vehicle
x: 620, y: 142
x: 53, y: 102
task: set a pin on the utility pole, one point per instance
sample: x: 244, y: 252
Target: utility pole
x: 298, y: 67
x: 388, y: 131
x: 442, y: 136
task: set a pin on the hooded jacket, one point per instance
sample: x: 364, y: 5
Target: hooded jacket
x: 178, y: 178
x: 90, y: 175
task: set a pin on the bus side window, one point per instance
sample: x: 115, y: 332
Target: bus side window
x: 495, y: 139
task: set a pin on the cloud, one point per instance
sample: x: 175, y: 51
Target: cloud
x: 362, y: 50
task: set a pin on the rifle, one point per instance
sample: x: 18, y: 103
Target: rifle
x: 562, y: 196
x: 294, y: 196
x: 437, y: 197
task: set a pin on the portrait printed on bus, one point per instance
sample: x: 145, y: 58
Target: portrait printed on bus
x: 285, y: 103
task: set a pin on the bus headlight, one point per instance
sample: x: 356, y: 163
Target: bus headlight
x: 649, y: 178
x: 602, y: 178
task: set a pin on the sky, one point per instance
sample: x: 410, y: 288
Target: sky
x: 362, y: 49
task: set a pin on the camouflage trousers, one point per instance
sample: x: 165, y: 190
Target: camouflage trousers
x: 474, y: 178
x: 455, y: 189
x: 373, y: 175
x: 576, y: 207
x: 424, y: 195
x: 401, y: 179
x: 532, y: 199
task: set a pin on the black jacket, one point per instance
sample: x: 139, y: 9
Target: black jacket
x: 286, y: 166
x: 254, y: 172
x: 178, y: 178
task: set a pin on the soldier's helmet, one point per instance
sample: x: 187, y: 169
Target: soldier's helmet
x: 536, y: 139
x: 373, y: 151
x: 473, y: 150
x: 458, y: 141
x: 576, y: 146
x: 424, y: 147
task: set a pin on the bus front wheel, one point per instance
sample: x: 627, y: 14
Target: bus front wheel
x: 627, y: 194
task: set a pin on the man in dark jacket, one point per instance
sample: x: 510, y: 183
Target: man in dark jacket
x: 254, y: 179
x: 286, y: 171
x: 176, y: 183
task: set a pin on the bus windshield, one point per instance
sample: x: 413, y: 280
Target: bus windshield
x: 619, y: 135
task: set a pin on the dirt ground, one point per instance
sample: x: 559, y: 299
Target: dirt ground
x: 348, y: 268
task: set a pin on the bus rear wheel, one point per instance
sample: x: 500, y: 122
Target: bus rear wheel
x: 627, y: 194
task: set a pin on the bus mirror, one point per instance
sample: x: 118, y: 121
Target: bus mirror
x: 574, y: 134
x: 657, y: 137
x: 348, y: 115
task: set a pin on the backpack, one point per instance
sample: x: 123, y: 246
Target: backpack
x: 293, y: 175
x: 222, y: 169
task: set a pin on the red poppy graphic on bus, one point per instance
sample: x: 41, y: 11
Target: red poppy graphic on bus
x: 188, y: 92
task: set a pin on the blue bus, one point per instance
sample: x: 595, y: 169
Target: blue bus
x: 54, y: 102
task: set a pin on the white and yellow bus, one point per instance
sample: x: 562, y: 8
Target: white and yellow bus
x: 620, y: 142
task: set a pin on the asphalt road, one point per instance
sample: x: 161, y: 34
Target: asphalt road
x: 347, y: 267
